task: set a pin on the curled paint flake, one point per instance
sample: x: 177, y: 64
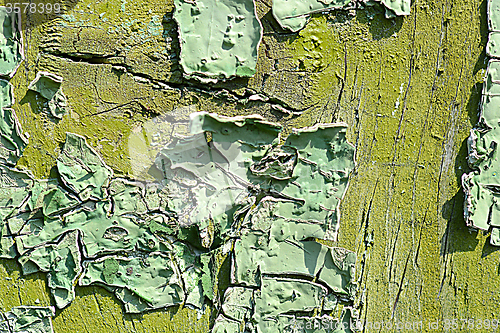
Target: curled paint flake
x: 12, y: 141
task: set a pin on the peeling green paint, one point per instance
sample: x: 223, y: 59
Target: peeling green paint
x: 27, y: 319
x: 231, y: 178
x: 49, y: 87
x: 219, y: 39
x: 482, y: 186
x: 11, y: 43
x: 153, y: 279
x: 294, y: 14
x: 12, y: 141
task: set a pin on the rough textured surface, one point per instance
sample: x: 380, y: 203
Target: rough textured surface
x: 408, y: 88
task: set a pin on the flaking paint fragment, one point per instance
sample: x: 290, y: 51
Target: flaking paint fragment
x: 493, y: 15
x: 238, y: 303
x: 294, y: 14
x: 62, y: 262
x: 82, y: 169
x: 12, y: 141
x: 48, y: 86
x: 152, y: 278
x: 219, y: 39
x: 493, y: 46
x: 258, y: 253
x: 281, y: 295
x: 482, y: 186
x: 11, y: 42
x: 27, y: 319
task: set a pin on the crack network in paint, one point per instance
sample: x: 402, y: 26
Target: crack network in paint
x: 232, y: 189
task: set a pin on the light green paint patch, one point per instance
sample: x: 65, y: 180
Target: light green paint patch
x: 153, y: 279
x: 12, y: 141
x: 56, y: 201
x: 257, y: 253
x: 288, y: 323
x: 218, y: 39
x: 238, y: 303
x: 226, y: 325
x: 209, y: 181
x: 279, y: 296
x: 294, y: 14
x: 49, y: 87
x: 62, y: 262
x: 14, y: 189
x: 396, y: 7
x: 482, y: 186
x: 11, y: 42
x: 493, y: 15
x: 82, y: 169
x: 109, y: 269
x: 27, y: 319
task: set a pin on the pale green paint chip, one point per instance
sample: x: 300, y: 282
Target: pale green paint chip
x: 219, y: 39
x: 153, y: 279
x: 82, y: 169
x: 493, y: 46
x: 493, y: 15
x: 294, y: 14
x: 48, y: 85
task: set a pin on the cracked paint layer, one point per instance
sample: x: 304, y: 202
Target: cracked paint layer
x: 48, y: 86
x: 218, y: 39
x: 294, y: 14
x: 482, y: 185
x: 27, y: 319
x: 233, y: 188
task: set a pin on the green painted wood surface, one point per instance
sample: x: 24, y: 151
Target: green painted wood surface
x: 408, y: 88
